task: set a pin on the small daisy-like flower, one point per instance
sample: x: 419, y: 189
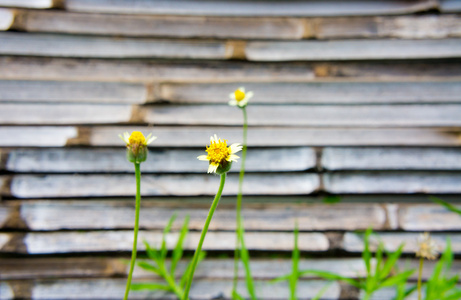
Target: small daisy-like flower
x: 220, y: 156
x: 240, y: 98
x: 136, y: 145
x: 427, y: 248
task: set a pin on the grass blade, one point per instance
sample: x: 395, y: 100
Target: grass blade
x: 447, y: 205
x: 178, y: 249
x: 149, y: 286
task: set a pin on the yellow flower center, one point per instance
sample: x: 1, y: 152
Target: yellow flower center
x: 137, y: 138
x: 218, y: 151
x: 239, y: 95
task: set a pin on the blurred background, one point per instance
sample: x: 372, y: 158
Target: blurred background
x: 355, y: 122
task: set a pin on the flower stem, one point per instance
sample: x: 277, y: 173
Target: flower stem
x: 238, y: 208
x: 137, y: 167
x: 202, y: 236
x: 420, y: 275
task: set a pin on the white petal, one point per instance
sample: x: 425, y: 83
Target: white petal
x: 243, y: 103
x: 151, y: 139
x: 235, y: 148
x: 232, y: 95
x: 202, y: 157
x: 242, y: 89
x: 233, y: 103
x: 249, y: 95
x: 233, y: 157
x: 212, y: 168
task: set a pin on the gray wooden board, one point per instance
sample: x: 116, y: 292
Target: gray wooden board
x: 163, y: 26
x: 6, y: 18
x: 450, y: 6
x: 68, y: 215
x: 312, y: 115
x: 201, y: 289
x: 321, y: 92
x: 43, y: 68
x: 353, y: 50
x: 169, y: 161
x: 43, y: 136
x: 31, y: 44
x: 393, y: 182
x: 65, y: 114
x: 353, y: 242
x: 343, y: 158
x: 284, y: 137
x: 38, y: 186
x: 68, y: 91
x: 122, y: 241
x: 35, y: 4
x: 251, y: 8
x: 5, y: 212
x: 429, y: 218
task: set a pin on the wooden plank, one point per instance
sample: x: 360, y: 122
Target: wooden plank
x: 393, y: 182
x: 344, y: 92
x: 65, y: 114
x: 353, y: 242
x: 409, y: 27
x: 283, y: 137
x: 252, y: 8
x: 171, y: 161
x: 162, y: 26
x: 5, y: 212
x: 341, y: 158
x: 35, y: 4
x: 450, y: 6
x: 117, y: 241
x: 67, y: 91
x: 6, y: 18
x: 67, y: 215
x: 428, y: 218
x: 6, y: 291
x: 42, y: 68
x: 312, y: 115
x: 31, y: 44
x: 4, y: 239
x: 353, y: 50
x: 36, y: 136
x: 32, y: 186
x: 201, y: 289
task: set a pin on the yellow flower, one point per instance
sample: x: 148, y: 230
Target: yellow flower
x: 426, y: 247
x: 136, y: 145
x: 240, y: 98
x: 220, y: 156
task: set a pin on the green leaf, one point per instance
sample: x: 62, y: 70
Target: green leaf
x: 237, y: 296
x: 148, y: 267
x: 366, y: 255
x: 331, y: 199
x: 295, y: 265
x: 322, y: 291
x: 151, y: 253
x: 331, y: 276
x: 185, y: 276
x: 281, y: 278
x: 245, y: 257
x: 447, y: 205
x: 390, y: 262
x: 401, y: 277
x: 166, y: 230
x: 178, y: 249
x: 150, y: 286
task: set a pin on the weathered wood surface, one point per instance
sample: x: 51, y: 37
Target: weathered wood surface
x: 342, y: 158
x: 65, y: 114
x: 6, y: 18
x: 428, y: 217
x: 43, y: 68
x: 35, y: 186
x: 310, y: 116
x: 353, y: 50
x: 43, y: 136
x: 35, y: 4
x: 68, y: 92
x: 393, y: 182
x: 163, y: 161
x: 122, y: 241
x: 450, y: 6
x: 252, y: 8
x: 67, y: 215
x: 113, y: 288
x: 83, y: 46
x: 317, y: 92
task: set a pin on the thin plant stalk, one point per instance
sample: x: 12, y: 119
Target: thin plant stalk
x: 238, y: 208
x: 137, y: 167
x: 420, y: 275
x: 202, y: 236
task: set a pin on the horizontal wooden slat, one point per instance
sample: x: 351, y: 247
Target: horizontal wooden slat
x: 164, y: 26
x: 30, y: 44
x: 49, y: 215
x: 312, y: 115
x: 6, y: 18
x: 5, y: 213
x: 32, y: 186
x: 80, y: 92
x: 354, y: 242
x: 36, y: 4
x: 169, y: 161
x: 318, y: 92
x: 36, y: 136
x: 428, y: 217
x: 353, y: 50
x: 450, y: 6
x: 391, y: 158
x: 201, y: 289
x: 393, y: 182
x: 252, y: 8
x: 117, y: 241
x: 46, y: 114
x: 35, y: 68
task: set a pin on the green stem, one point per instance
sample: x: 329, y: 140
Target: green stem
x: 171, y: 282
x: 420, y: 275
x: 202, y: 236
x: 238, y: 208
x: 137, y: 168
